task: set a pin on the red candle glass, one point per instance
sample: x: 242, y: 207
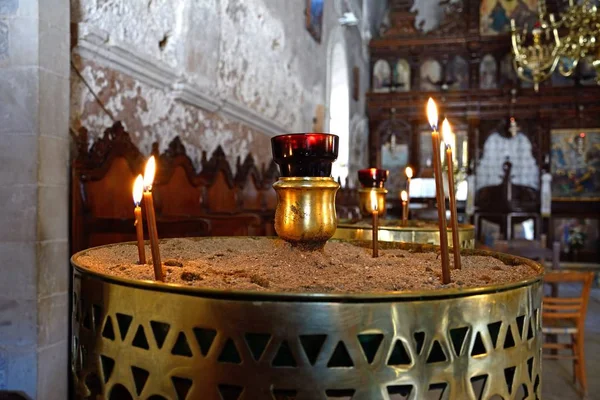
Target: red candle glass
x: 373, y: 177
x: 305, y: 154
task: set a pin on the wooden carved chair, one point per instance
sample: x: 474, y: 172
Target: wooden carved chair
x: 566, y: 316
x: 253, y: 194
x: 220, y: 199
x: 101, y: 192
x: 270, y: 175
x: 101, y: 202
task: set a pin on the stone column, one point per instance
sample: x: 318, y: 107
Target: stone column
x: 34, y: 150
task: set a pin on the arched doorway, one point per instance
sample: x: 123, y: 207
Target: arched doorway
x: 339, y: 108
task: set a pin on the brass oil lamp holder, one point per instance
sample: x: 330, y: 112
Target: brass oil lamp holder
x: 305, y: 215
x: 372, y: 180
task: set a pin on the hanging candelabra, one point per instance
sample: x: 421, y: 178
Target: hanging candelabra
x: 582, y: 41
x: 537, y: 61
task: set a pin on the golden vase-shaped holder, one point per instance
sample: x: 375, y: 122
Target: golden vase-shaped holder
x: 364, y: 201
x: 305, y: 212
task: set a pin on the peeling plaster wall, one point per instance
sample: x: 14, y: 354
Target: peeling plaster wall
x: 151, y: 115
x: 255, y: 53
x: 142, y: 24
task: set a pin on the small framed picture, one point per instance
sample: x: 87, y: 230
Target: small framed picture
x: 575, y: 164
x: 314, y: 18
x: 355, y: 83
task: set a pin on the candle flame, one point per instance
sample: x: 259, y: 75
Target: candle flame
x: 432, y: 114
x: 374, y: 173
x: 404, y: 195
x: 447, y: 133
x: 149, y: 173
x: 374, y: 201
x: 138, y: 190
x: 409, y: 172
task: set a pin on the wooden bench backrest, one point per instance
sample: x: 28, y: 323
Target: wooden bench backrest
x: 102, y: 183
x: 220, y: 195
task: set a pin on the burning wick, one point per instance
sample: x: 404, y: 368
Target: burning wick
x: 409, y: 174
x: 447, y: 134
x: 375, y: 223
x: 151, y: 217
x: 432, y: 116
x: 404, y: 198
x: 138, y: 190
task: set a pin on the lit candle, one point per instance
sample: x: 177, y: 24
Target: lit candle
x: 138, y: 190
x: 409, y: 174
x: 151, y: 217
x: 375, y: 212
x: 404, y: 198
x: 447, y: 134
x: 432, y: 116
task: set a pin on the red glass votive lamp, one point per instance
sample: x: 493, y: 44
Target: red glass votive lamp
x: 305, y: 154
x: 373, y: 177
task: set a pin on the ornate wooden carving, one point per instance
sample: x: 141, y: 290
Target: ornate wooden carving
x: 217, y: 164
x: 247, y: 170
x: 175, y: 156
x: 114, y: 143
x: 102, y: 206
x: 250, y: 185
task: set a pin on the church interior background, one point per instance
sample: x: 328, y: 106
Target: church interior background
x: 206, y: 85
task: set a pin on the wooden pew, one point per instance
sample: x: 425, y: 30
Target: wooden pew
x: 187, y: 203
x: 101, y: 194
x: 210, y: 195
x: 256, y: 195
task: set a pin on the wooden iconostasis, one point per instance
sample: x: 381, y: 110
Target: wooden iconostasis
x: 459, y: 53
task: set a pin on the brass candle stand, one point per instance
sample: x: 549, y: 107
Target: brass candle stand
x: 364, y: 201
x: 153, y: 340
x: 138, y: 339
x: 372, y: 180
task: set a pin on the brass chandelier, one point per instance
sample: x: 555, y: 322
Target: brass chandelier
x: 580, y: 26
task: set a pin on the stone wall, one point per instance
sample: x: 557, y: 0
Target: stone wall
x: 34, y: 281
x: 216, y: 72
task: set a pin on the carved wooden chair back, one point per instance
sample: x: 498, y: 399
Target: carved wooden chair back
x: 178, y: 189
x: 220, y: 194
x: 101, y: 186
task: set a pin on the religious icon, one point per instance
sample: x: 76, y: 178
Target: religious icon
x: 487, y: 72
x: 458, y: 70
x: 575, y: 164
x: 431, y: 72
x: 381, y: 76
x: 402, y: 76
x: 495, y: 15
x: 314, y: 18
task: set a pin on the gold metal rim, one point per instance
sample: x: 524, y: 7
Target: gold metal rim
x: 329, y: 297
x: 306, y: 181
x: 369, y: 190
x: 461, y: 227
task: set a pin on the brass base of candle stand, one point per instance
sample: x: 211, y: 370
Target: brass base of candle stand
x: 305, y: 213
x: 139, y: 339
x: 393, y: 231
x: 364, y: 201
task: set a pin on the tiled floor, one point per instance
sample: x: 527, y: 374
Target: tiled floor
x: 557, y: 382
